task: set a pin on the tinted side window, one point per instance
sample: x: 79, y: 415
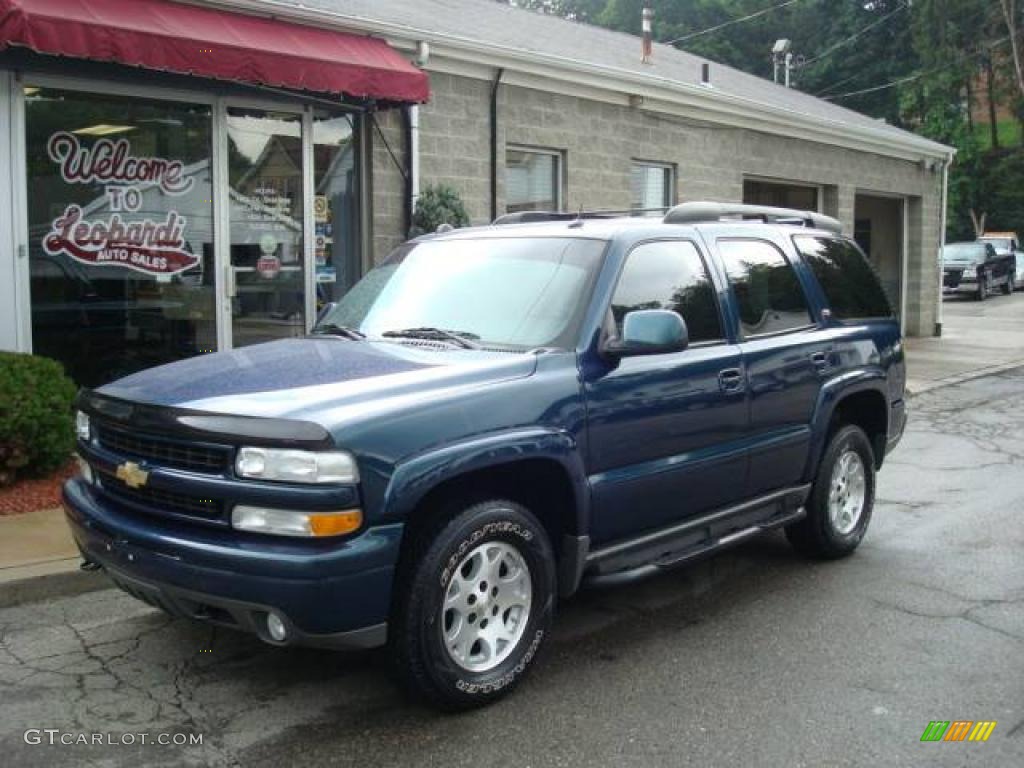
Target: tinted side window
x: 669, y: 275
x: 847, y: 279
x: 767, y: 289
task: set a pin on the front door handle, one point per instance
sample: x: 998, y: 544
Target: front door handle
x: 730, y: 380
x: 821, y: 361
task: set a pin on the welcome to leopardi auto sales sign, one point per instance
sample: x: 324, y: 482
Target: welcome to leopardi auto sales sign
x: 152, y: 247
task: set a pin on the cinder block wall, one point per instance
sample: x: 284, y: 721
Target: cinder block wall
x: 599, y: 141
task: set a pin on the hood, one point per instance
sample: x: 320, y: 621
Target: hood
x: 307, y: 378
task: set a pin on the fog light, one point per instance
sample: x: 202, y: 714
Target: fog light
x: 276, y: 628
x: 85, y: 470
x: 292, y: 522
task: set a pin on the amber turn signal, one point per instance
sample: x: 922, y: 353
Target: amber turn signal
x: 335, y: 523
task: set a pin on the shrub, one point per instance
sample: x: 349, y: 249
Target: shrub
x: 36, y: 419
x: 435, y: 206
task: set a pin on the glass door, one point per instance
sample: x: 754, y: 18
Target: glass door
x: 267, y: 274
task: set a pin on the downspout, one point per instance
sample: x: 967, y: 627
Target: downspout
x: 410, y: 165
x: 414, y: 152
x: 942, y: 238
x: 494, y: 141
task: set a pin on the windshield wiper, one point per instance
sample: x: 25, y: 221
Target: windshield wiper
x: 462, y: 338
x: 331, y: 329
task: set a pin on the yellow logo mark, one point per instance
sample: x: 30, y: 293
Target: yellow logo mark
x: 982, y: 730
x: 132, y: 475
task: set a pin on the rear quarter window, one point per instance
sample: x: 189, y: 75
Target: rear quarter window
x: 846, y: 277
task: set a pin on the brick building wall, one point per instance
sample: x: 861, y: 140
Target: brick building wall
x: 599, y: 141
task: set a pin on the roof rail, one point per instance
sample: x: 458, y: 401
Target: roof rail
x: 694, y: 213
x: 532, y: 217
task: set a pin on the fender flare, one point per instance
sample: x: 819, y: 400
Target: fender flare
x: 415, y: 477
x: 832, y: 392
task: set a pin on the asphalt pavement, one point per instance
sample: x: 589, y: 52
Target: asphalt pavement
x: 755, y: 657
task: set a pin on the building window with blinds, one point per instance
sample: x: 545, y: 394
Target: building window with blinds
x: 652, y: 188
x: 533, y: 180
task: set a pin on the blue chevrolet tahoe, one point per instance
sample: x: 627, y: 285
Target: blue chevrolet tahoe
x: 493, y: 417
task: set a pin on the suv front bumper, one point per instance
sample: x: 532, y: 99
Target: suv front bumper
x: 328, y: 594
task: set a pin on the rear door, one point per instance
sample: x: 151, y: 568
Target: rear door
x: 666, y: 431
x: 786, y: 354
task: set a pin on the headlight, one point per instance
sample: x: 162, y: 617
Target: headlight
x: 84, y: 469
x: 290, y: 522
x: 292, y: 466
x: 82, y: 426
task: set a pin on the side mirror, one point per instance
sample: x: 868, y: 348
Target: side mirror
x: 649, y: 332
x: 325, y: 310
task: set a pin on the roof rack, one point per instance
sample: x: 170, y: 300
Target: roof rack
x: 695, y: 213
x: 533, y: 217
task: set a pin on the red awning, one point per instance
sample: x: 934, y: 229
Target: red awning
x: 188, y: 39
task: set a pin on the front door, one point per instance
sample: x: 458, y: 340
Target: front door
x: 267, y: 276
x: 665, y: 432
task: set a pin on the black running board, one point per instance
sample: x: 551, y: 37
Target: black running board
x: 692, y: 539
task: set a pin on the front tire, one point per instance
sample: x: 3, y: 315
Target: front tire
x: 982, y: 288
x: 476, y: 605
x: 1008, y: 286
x: 841, y: 500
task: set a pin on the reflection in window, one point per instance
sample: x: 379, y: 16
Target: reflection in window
x: 532, y: 180
x: 266, y: 180
x: 847, y: 279
x: 766, y: 287
x: 669, y: 275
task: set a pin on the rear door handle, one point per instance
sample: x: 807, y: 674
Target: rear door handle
x: 730, y: 380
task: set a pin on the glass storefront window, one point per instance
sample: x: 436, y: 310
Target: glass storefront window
x: 335, y: 207
x: 266, y: 190
x: 121, y: 231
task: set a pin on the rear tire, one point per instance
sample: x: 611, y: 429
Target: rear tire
x: 475, y: 605
x: 841, y: 500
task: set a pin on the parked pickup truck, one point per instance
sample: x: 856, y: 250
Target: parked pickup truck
x: 977, y: 268
x: 493, y: 417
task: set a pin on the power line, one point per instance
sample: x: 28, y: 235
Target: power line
x: 919, y: 75
x: 855, y: 36
x: 729, y: 23
x: 821, y: 94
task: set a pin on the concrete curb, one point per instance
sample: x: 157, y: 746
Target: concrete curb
x: 48, y: 581
x: 960, y: 378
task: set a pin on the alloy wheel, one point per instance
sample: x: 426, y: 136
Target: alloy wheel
x: 487, y: 606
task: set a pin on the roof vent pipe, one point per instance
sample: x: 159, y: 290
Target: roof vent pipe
x: 646, y: 18
x: 705, y: 74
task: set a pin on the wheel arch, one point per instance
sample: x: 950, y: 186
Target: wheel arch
x: 540, y: 469
x: 860, y: 399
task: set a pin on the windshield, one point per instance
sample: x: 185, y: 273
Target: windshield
x: 506, y: 292
x: 1001, y: 244
x: 964, y: 252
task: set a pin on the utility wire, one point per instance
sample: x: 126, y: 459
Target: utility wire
x: 919, y: 75
x: 821, y: 94
x: 855, y: 36
x: 729, y: 23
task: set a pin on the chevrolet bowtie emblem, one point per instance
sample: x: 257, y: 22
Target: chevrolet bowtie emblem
x: 132, y: 475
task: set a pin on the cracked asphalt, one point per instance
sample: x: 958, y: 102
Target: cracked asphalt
x: 752, y: 658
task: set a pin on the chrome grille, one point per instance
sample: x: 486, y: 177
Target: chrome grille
x: 167, y: 453
x: 158, y: 500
